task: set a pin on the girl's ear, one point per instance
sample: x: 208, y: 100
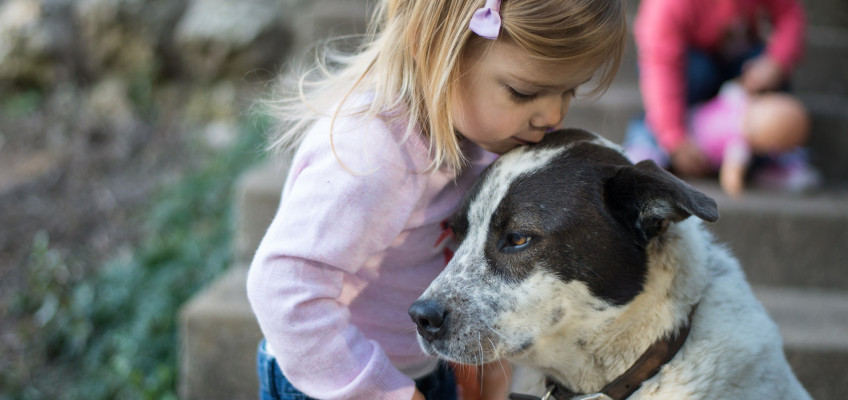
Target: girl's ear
x: 647, y: 198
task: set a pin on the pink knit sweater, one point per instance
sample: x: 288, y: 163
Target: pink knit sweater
x: 666, y: 29
x: 351, y: 247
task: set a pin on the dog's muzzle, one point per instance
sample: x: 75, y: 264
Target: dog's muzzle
x: 430, y: 318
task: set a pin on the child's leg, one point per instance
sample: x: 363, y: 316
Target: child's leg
x: 272, y: 384
x: 704, y: 76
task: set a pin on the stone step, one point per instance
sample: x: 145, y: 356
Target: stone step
x: 218, y: 340
x: 827, y: 12
x: 609, y: 115
x: 219, y: 336
x: 823, y: 68
x: 814, y: 326
x: 257, y: 195
x: 793, y: 240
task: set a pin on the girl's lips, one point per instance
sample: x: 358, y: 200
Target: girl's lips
x: 522, y: 141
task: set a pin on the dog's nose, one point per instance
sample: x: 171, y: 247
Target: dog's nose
x: 429, y: 316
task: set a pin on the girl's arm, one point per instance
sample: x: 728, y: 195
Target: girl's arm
x: 329, y: 223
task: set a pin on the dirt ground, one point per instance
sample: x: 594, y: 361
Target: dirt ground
x: 81, y: 184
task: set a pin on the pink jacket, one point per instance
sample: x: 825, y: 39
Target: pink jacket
x: 346, y: 255
x: 666, y: 29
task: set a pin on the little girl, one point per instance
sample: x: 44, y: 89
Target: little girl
x: 386, y: 146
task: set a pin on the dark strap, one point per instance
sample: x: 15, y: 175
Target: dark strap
x: 648, y: 365
x: 516, y: 396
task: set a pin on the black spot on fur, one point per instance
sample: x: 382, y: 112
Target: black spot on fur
x: 556, y: 315
x: 525, y: 345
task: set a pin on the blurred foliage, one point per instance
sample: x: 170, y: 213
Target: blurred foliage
x: 21, y: 103
x: 113, y: 334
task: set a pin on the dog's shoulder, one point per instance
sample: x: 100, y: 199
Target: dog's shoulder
x: 734, y: 349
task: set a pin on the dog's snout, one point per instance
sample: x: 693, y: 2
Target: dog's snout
x: 429, y: 316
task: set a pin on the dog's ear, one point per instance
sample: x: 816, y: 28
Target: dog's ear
x: 647, y: 198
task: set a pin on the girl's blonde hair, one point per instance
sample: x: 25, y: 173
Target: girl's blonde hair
x: 412, y: 57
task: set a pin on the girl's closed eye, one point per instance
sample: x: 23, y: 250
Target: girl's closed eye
x: 520, y: 97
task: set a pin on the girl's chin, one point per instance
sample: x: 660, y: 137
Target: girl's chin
x: 501, y: 148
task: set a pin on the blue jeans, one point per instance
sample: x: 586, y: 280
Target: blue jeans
x: 705, y: 73
x: 439, y: 385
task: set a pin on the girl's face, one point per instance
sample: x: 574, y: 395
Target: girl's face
x: 506, y: 98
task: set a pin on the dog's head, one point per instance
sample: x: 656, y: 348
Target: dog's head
x: 552, y: 238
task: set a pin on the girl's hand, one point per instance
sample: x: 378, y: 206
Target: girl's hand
x: 761, y: 74
x: 494, y: 380
x: 418, y: 395
x: 688, y: 160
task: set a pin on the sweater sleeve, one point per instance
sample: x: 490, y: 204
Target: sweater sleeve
x: 661, y: 40
x: 331, y: 220
x: 786, y: 44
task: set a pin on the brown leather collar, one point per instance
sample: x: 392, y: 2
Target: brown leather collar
x: 648, y: 365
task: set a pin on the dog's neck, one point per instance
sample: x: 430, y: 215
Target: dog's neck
x: 586, y: 359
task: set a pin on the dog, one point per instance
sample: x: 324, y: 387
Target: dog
x: 576, y: 263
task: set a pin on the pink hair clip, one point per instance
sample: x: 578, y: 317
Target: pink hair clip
x: 486, y: 21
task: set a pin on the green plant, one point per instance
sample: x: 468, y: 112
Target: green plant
x: 114, y: 333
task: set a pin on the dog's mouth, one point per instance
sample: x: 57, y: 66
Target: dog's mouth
x: 483, y: 350
x: 447, y: 335
x: 480, y: 350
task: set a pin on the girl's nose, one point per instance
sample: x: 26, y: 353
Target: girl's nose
x: 551, y: 112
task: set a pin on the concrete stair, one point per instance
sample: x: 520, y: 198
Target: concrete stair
x: 793, y: 247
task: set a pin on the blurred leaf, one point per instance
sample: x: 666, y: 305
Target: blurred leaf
x: 22, y: 104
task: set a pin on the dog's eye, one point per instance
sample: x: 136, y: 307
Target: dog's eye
x: 518, y: 240
x: 515, y: 241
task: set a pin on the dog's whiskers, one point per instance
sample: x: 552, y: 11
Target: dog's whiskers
x: 480, y: 369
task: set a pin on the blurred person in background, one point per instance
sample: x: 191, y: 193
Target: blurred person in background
x: 687, y: 49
